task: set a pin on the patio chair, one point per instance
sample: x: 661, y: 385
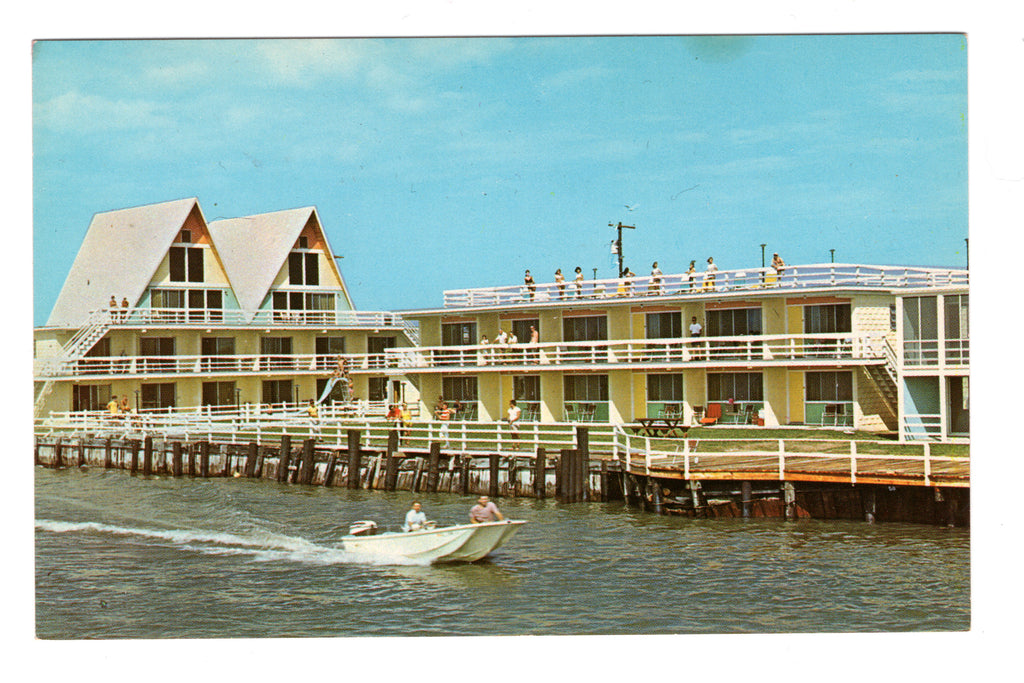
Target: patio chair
x: 712, y: 414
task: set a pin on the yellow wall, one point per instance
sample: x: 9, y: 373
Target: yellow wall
x: 796, y: 397
x: 621, y: 395
x: 773, y: 381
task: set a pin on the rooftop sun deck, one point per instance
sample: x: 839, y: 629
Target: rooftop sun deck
x: 791, y: 278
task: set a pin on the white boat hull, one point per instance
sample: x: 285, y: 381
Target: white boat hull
x: 461, y: 543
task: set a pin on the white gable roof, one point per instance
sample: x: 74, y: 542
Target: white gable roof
x: 254, y: 248
x: 119, y: 257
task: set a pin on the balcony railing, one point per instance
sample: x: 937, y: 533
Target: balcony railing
x: 235, y: 317
x: 926, y: 352
x: 705, y: 351
x: 750, y: 279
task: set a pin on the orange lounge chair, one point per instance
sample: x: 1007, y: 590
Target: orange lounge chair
x: 712, y: 414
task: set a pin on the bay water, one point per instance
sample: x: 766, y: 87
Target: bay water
x: 123, y: 556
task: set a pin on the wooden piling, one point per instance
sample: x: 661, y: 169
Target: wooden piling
x: 654, y: 490
x: 284, y: 458
x: 176, y: 458
x: 746, y: 490
x: 81, y: 452
x: 464, y: 475
x: 306, y: 464
x: 563, y: 475
x: 251, y: 456
x: 332, y: 464
x: 226, y: 466
x: 415, y: 488
x: 869, y: 505
x: 583, y: 464
x: 512, y: 477
x: 354, y: 456
x: 391, y: 465
x: 789, y: 500
x: 492, y: 485
x: 147, y: 456
x: 108, y: 453
x: 193, y: 470
x: 603, y: 497
x: 433, y: 466
x: 540, y: 473
x: 134, y: 467
x: 58, y: 454
x: 259, y: 462
x: 35, y: 452
x: 204, y: 459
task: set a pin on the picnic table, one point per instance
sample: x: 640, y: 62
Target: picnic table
x: 661, y: 426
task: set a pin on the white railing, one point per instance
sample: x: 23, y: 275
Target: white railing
x: 231, y: 317
x: 922, y: 426
x: 695, y: 462
x: 792, y: 277
x: 705, y: 350
x: 760, y: 349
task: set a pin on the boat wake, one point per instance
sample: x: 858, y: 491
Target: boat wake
x: 260, y: 546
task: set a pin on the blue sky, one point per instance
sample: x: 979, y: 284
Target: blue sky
x: 446, y: 163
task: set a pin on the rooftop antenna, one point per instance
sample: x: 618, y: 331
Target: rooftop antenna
x: 618, y: 242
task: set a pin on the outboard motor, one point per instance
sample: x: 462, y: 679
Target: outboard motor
x: 363, y: 527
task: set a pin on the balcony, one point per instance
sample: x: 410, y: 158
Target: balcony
x: 638, y: 354
x: 828, y: 275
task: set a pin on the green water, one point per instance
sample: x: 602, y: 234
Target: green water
x: 121, y: 556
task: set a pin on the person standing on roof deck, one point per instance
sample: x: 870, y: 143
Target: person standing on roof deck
x: 124, y: 309
x: 709, y: 275
x: 655, y: 286
x: 113, y: 308
x: 560, y: 282
x: 415, y: 519
x: 484, y: 511
x: 691, y: 273
x: 579, y: 282
x: 627, y: 283
x: 531, y: 287
x: 778, y: 264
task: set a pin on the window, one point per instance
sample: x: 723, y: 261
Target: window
x: 277, y: 391
x: 586, y: 387
x: 587, y: 328
x: 521, y: 328
x: 158, y: 396
x: 167, y: 298
x: 303, y: 268
x: 186, y: 264
x: 920, y: 330
x: 211, y: 347
x: 303, y: 242
x: 459, y: 389
x: 312, y: 306
x: 738, y: 386
x: 185, y: 236
x: 458, y: 334
x: 276, y: 352
x: 526, y: 388
x: 827, y: 319
x: 375, y: 347
x: 378, y: 388
x: 219, y: 394
x: 956, y: 322
x: 90, y: 397
x: 203, y: 304
x: 665, y: 387
x: 664, y: 325
x: 158, y: 352
x: 327, y: 348
x: 734, y: 322
x: 834, y: 387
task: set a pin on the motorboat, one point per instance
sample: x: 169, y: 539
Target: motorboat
x: 459, y: 543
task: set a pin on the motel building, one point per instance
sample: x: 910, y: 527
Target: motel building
x: 254, y: 311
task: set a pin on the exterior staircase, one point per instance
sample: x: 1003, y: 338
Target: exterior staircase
x: 96, y: 325
x: 884, y: 377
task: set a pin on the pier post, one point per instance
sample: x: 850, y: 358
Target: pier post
x: 135, y: 456
x: 192, y: 469
x: 331, y: 465
x: 492, y: 485
x: 108, y: 453
x: 204, y: 459
x: 226, y: 466
x: 391, y: 466
x: 654, y: 489
x: 35, y: 452
x: 789, y: 500
x: 582, y: 492
x: 603, y: 497
x: 699, y: 510
x: 259, y: 461
x: 147, y: 456
x: 284, y: 458
x: 176, y: 458
x: 561, y: 485
x: 746, y: 491
x: 58, y: 455
x: 250, y: 459
x: 354, y: 456
x: 432, y: 467
x: 464, y: 475
x: 306, y: 465
x: 81, y: 452
x: 869, y: 505
x: 540, y: 473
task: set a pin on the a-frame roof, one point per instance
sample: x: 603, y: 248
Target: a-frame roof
x: 119, y: 256
x: 253, y: 250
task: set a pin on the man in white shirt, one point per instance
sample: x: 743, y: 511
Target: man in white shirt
x: 514, y: 412
x: 415, y: 519
x: 695, y: 328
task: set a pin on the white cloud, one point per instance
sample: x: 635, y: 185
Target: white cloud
x: 73, y: 111
x: 302, y: 62
x: 185, y: 74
